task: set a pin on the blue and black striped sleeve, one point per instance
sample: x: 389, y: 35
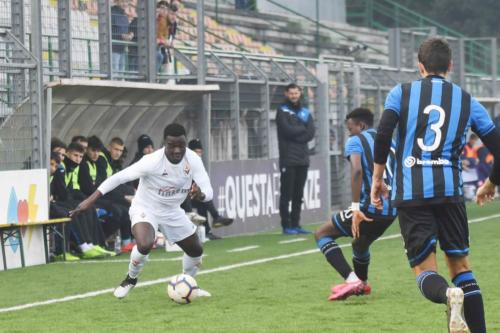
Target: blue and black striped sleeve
x: 481, y: 123
x: 353, y: 146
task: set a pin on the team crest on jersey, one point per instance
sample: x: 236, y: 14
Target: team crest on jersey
x: 187, y: 169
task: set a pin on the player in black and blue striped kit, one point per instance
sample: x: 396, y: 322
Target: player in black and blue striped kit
x: 362, y: 221
x: 433, y: 117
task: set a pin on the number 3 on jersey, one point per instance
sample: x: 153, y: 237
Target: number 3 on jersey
x: 436, y: 128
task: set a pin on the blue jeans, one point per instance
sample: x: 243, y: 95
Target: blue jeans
x: 118, y: 62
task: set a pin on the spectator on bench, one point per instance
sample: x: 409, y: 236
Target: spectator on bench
x: 58, y: 147
x: 60, y: 205
x: 93, y: 235
x: 83, y: 141
x: 92, y: 173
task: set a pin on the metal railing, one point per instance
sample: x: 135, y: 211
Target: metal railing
x: 384, y: 14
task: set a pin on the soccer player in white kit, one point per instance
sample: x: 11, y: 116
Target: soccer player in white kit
x: 166, y: 179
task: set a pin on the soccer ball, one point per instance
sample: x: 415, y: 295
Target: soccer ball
x: 182, y: 289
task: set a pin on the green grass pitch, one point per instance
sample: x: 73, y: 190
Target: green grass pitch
x: 281, y: 295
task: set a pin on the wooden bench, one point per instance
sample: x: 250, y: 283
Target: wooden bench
x: 14, y: 230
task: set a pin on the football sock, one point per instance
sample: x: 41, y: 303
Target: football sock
x: 137, y: 261
x: 191, y: 265
x: 360, y: 263
x: 334, y: 256
x: 85, y: 247
x: 352, y: 278
x: 473, y: 301
x: 433, y: 286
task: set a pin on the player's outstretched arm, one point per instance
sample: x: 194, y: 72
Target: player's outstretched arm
x: 484, y: 127
x: 86, y: 204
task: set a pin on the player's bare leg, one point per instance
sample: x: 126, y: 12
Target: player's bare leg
x: 144, y: 235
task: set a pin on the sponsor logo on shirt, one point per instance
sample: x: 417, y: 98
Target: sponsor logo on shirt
x: 171, y: 191
x: 411, y: 161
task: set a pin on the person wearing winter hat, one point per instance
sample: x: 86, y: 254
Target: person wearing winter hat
x: 204, y: 207
x: 145, y: 146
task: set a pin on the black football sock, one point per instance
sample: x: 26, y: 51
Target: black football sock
x: 360, y: 262
x: 433, y: 286
x: 334, y: 256
x: 473, y: 301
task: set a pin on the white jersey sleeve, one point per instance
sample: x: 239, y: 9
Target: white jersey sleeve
x: 201, y: 178
x: 133, y: 172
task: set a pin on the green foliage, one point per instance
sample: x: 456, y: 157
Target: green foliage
x: 478, y: 18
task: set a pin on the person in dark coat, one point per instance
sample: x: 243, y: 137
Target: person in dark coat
x: 295, y: 129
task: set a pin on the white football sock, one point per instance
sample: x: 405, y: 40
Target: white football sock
x: 190, y: 265
x: 85, y: 247
x: 137, y: 261
x: 352, y: 278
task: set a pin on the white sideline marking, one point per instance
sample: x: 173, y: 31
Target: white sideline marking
x: 241, y: 249
x: 292, y: 240
x: 112, y: 261
x: 203, y: 272
x: 481, y: 219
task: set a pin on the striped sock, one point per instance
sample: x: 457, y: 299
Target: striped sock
x: 334, y: 256
x: 433, y: 286
x: 473, y: 301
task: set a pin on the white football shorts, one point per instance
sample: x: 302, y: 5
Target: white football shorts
x: 176, y: 226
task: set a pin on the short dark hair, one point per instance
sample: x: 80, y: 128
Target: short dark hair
x: 117, y: 141
x: 57, y: 143
x: 73, y: 146
x: 79, y: 138
x: 95, y: 142
x: 361, y: 114
x: 162, y: 3
x: 174, y: 130
x: 292, y: 86
x: 435, y: 55
x: 173, y: 7
x: 56, y: 157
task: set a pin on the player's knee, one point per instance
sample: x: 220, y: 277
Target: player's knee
x: 361, y: 244
x: 195, y: 251
x: 317, y: 234
x: 145, y: 246
x: 457, y: 264
x: 321, y: 232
